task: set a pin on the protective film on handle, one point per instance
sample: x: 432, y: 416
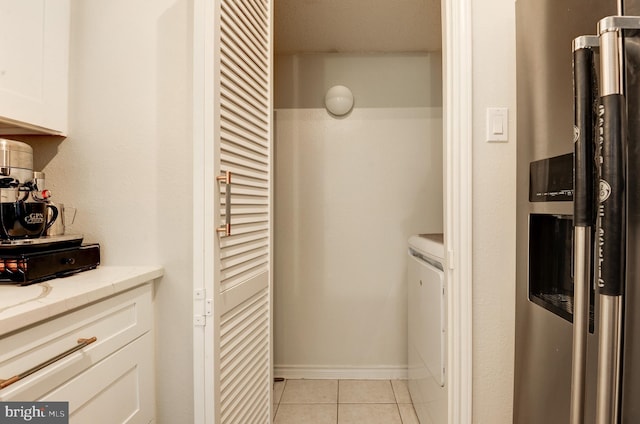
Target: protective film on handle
x: 610, y: 240
x: 584, y: 160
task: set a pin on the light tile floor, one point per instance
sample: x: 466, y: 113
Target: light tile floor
x: 343, y: 402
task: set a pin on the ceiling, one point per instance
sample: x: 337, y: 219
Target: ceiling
x: 312, y: 26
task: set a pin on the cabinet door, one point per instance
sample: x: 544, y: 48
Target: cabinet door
x: 117, y: 390
x: 34, y: 46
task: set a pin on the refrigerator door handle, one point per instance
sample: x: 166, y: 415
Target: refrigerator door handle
x: 585, y: 94
x: 611, y: 227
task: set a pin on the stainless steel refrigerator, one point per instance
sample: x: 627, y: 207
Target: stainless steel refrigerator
x: 578, y: 219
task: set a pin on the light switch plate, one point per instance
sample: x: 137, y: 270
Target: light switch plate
x: 497, y: 124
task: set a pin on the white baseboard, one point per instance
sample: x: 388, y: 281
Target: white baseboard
x: 340, y: 373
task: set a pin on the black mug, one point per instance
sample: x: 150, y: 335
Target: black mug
x: 26, y: 219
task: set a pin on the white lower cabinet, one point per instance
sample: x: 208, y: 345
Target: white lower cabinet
x: 110, y: 391
x: 108, y: 381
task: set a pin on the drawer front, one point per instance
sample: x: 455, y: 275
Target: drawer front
x: 118, y: 389
x: 115, y: 322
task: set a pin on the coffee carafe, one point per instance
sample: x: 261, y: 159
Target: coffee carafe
x: 25, y: 209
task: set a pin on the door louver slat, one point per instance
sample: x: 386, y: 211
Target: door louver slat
x: 243, y: 107
x: 233, y: 130
x: 250, y: 25
x: 242, y: 162
x: 246, y: 151
x: 256, y: 19
x: 250, y: 127
x: 246, y: 85
x: 251, y: 180
x: 243, y: 31
x: 235, y: 58
x: 238, y: 274
x: 242, y: 53
x: 238, y: 94
x: 236, y: 139
x: 240, y: 155
x: 244, y: 50
x: 240, y: 246
x: 241, y: 191
x: 261, y: 7
x: 246, y: 45
x: 248, y: 173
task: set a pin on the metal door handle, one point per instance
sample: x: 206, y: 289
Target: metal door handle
x: 583, y: 212
x: 611, y: 223
x: 81, y: 343
x: 225, y: 229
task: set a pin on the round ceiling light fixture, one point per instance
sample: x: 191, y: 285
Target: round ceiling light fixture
x: 339, y: 100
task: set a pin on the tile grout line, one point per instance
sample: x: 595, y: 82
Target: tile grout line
x: 399, y: 413
x: 396, y: 399
x: 284, y: 385
x: 338, y: 404
x: 395, y: 396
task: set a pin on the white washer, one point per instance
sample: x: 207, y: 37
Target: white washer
x: 427, y: 318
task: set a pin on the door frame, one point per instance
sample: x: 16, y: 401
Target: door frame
x: 458, y: 212
x: 458, y: 125
x: 203, y: 201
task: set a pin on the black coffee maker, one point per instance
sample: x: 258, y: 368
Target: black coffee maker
x: 27, y: 254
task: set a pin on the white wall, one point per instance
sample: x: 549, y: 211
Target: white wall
x: 392, y: 80
x: 349, y: 193
x: 126, y: 164
x: 494, y: 208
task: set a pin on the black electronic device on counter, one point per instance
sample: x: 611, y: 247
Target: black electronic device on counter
x: 27, y: 262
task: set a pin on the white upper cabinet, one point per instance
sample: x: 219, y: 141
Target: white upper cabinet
x: 34, y: 64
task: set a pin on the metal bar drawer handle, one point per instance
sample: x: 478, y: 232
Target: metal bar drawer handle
x: 81, y: 343
x: 226, y: 228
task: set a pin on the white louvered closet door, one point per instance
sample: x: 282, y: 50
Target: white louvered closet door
x: 244, y: 265
x: 242, y: 133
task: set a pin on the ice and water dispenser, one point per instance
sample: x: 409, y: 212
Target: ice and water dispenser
x: 551, y: 267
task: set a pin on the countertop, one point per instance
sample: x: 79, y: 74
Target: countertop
x: 23, y: 306
x: 429, y: 244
